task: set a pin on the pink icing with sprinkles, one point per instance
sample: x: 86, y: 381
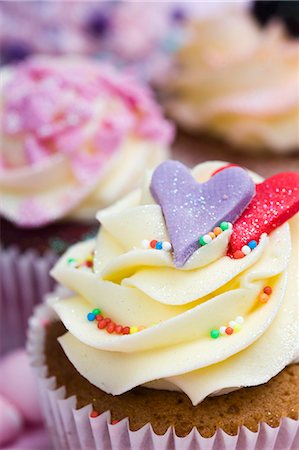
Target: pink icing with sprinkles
x: 49, y: 103
x: 76, y: 111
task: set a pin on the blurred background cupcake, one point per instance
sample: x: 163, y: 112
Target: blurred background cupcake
x: 140, y: 35
x: 77, y: 135
x: 236, y: 77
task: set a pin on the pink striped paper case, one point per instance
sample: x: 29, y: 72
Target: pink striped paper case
x: 25, y: 280
x: 72, y: 428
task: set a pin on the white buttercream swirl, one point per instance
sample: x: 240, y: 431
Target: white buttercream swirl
x: 239, y: 81
x: 136, y: 286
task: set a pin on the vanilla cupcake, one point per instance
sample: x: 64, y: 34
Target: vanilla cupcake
x: 237, y: 81
x: 76, y: 135
x: 178, y: 325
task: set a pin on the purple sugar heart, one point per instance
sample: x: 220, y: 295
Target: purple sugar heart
x: 192, y: 209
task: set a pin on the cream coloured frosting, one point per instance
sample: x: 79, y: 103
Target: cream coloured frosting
x: 238, y: 81
x: 70, y: 126
x: 178, y: 306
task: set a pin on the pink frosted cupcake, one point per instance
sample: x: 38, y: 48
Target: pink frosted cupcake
x: 77, y: 136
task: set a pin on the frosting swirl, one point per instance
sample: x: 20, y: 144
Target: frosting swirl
x: 69, y: 128
x: 241, y: 89
x: 178, y: 306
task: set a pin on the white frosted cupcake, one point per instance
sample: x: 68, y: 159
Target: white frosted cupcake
x: 237, y: 81
x: 181, y: 318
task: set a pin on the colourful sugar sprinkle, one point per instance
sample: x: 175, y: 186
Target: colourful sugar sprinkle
x: 209, y: 237
x: 156, y: 245
x: 214, y: 334
x: 77, y: 263
x: 233, y: 326
x: 105, y: 323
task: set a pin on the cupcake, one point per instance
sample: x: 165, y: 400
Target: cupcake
x: 136, y: 35
x: 77, y: 135
x: 238, y: 81
x: 178, y: 325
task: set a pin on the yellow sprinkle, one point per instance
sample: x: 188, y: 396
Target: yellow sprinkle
x: 89, y: 258
x: 133, y: 330
x: 212, y: 234
x: 237, y: 327
x: 142, y: 327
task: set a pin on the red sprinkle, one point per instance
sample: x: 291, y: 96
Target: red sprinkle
x: 107, y: 319
x: 99, y: 317
x: 153, y: 243
x: 89, y: 264
x: 114, y: 422
x: 110, y: 327
x: 238, y: 254
x: 268, y: 290
x: 94, y: 414
x: 118, y: 329
x: 229, y: 330
x: 126, y: 330
x: 102, y: 324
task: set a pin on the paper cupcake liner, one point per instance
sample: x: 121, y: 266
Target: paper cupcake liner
x: 74, y: 429
x: 24, y: 281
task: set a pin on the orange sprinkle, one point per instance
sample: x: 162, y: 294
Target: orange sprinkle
x: 229, y: 330
x: 217, y: 231
x: 263, y: 297
x: 238, y: 254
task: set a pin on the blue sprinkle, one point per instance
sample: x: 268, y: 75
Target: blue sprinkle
x: 252, y: 244
x: 159, y: 245
x: 91, y: 317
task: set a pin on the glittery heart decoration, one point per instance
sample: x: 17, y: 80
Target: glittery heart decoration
x: 276, y: 201
x: 192, y: 209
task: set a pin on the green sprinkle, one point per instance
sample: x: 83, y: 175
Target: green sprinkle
x: 71, y: 260
x: 96, y: 311
x: 214, y: 334
x: 224, y: 226
x: 201, y: 241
